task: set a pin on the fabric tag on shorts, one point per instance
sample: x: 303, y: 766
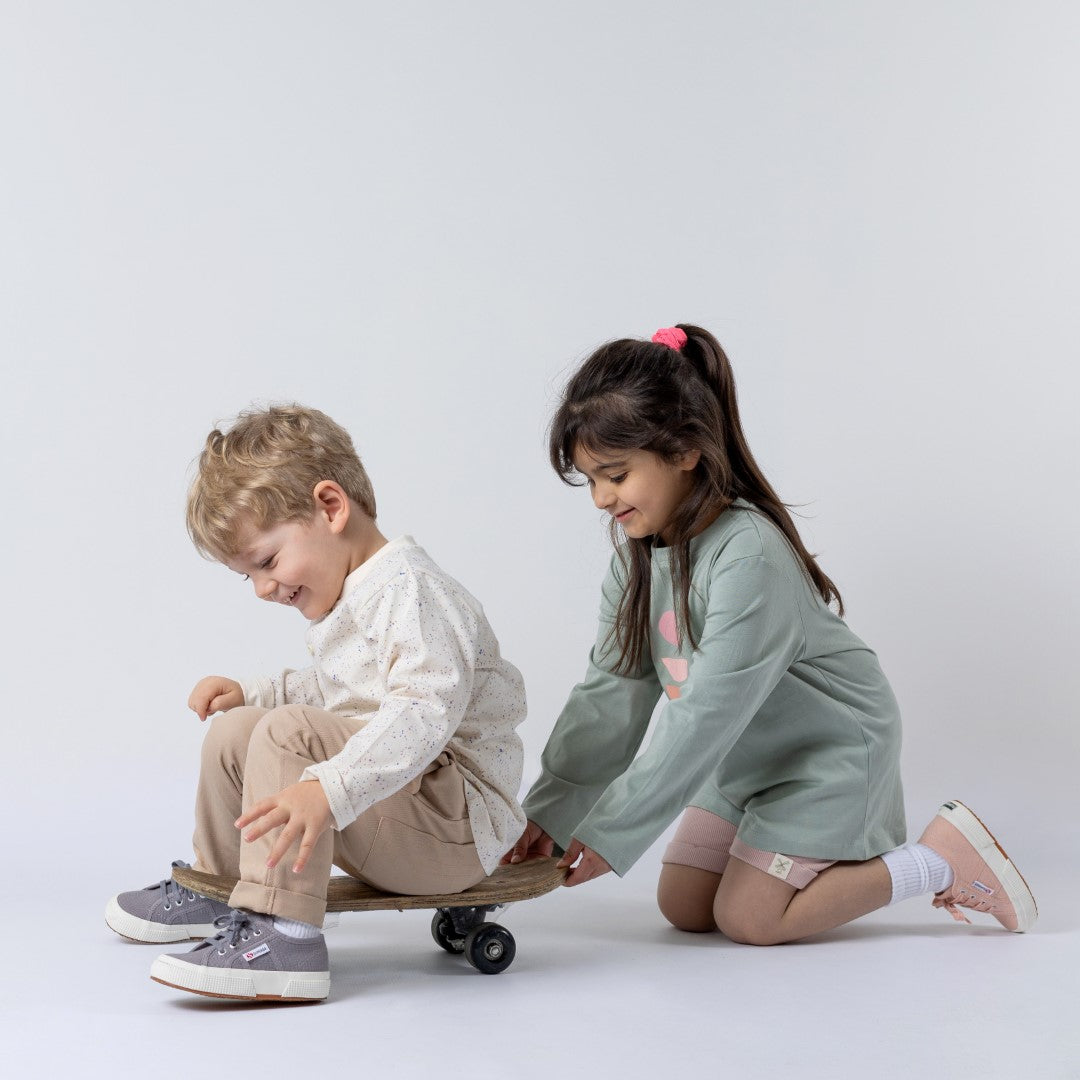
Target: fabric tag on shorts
x: 781, y: 866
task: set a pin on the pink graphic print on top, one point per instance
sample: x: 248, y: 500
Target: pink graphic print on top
x: 676, y: 666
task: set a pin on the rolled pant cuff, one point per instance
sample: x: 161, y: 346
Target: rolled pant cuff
x: 270, y: 901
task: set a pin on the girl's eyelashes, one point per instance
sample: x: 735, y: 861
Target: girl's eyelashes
x: 245, y: 577
x: 617, y: 479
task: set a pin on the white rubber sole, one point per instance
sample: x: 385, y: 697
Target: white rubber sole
x: 241, y: 985
x: 152, y: 933
x: 1012, y: 881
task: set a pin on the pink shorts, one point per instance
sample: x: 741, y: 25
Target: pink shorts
x: 706, y: 841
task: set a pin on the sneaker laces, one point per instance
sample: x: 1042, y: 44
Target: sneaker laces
x: 174, y: 893
x: 231, y: 929
x: 953, y: 901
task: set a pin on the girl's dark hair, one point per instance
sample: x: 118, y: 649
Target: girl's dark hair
x: 640, y: 395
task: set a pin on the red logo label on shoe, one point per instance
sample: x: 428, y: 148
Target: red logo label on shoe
x: 983, y: 888
x: 260, y: 950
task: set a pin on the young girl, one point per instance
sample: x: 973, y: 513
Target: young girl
x: 781, y: 737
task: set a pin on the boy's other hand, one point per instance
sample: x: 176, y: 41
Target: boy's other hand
x: 303, y: 811
x: 214, y: 694
x: 532, y: 843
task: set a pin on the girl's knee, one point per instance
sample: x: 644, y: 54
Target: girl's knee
x: 684, y: 895
x: 744, y: 925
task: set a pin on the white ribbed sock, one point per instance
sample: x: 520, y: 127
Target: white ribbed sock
x: 295, y: 929
x: 916, y: 869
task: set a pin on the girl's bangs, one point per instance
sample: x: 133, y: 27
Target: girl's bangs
x: 602, y: 426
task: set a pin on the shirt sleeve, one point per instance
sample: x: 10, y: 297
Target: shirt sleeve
x: 428, y: 644
x: 752, y: 634
x: 598, y: 732
x: 289, y: 688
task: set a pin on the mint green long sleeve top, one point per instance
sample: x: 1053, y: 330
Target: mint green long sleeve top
x: 781, y: 719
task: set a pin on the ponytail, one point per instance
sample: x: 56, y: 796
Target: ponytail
x: 713, y: 366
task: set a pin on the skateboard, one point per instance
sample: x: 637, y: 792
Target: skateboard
x: 460, y: 924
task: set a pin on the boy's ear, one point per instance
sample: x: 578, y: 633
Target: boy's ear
x: 332, y: 503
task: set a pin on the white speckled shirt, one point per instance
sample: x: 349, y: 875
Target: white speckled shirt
x: 410, y: 649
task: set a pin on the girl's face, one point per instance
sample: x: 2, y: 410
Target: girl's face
x: 637, y: 488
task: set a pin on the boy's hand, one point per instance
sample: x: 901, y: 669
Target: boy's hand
x: 591, y: 865
x: 303, y: 811
x: 214, y: 694
x: 532, y: 842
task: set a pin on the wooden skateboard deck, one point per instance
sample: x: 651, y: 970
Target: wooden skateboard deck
x: 459, y: 925
x: 520, y: 881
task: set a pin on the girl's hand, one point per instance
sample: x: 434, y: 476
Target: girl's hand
x: 214, y: 694
x: 532, y: 842
x: 591, y: 865
x: 304, y: 812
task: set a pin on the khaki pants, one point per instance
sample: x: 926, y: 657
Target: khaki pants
x: 417, y: 841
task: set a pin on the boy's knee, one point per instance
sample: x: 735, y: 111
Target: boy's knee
x: 684, y: 895
x: 228, y: 733
x: 294, y: 729
x: 283, y: 724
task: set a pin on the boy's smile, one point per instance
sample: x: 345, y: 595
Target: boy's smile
x: 298, y: 563
x: 304, y: 564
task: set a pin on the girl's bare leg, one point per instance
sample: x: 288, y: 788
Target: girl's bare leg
x: 755, y: 908
x: 685, y: 895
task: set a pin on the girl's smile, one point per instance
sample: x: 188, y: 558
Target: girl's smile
x: 638, y: 488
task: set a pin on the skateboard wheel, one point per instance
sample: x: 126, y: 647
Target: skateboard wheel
x: 490, y: 948
x: 442, y: 930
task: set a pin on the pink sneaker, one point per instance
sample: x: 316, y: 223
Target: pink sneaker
x: 984, y: 878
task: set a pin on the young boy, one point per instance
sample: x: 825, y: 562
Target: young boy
x: 394, y: 755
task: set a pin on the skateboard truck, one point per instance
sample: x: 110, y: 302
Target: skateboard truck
x: 488, y: 947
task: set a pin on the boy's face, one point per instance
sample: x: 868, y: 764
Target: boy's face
x: 300, y: 563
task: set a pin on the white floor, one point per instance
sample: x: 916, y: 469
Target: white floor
x: 600, y: 987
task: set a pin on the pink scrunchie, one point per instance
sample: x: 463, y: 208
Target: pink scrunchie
x: 671, y: 336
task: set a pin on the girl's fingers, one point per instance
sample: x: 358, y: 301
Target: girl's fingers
x: 585, y: 870
x: 572, y: 852
x: 574, y: 878
x: 590, y: 866
x: 521, y: 849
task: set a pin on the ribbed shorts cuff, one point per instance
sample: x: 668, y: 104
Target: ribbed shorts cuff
x: 794, y: 869
x: 704, y: 858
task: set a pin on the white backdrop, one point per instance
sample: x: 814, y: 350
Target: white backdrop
x: 419, y: 216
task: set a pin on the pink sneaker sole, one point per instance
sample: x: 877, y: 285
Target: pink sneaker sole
x: 982, y: 839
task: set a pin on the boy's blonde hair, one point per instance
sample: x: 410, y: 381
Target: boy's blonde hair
x: 263, y: 470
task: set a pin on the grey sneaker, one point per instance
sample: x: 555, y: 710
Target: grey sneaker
x: 163, y: 913
x: 250, y: 960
